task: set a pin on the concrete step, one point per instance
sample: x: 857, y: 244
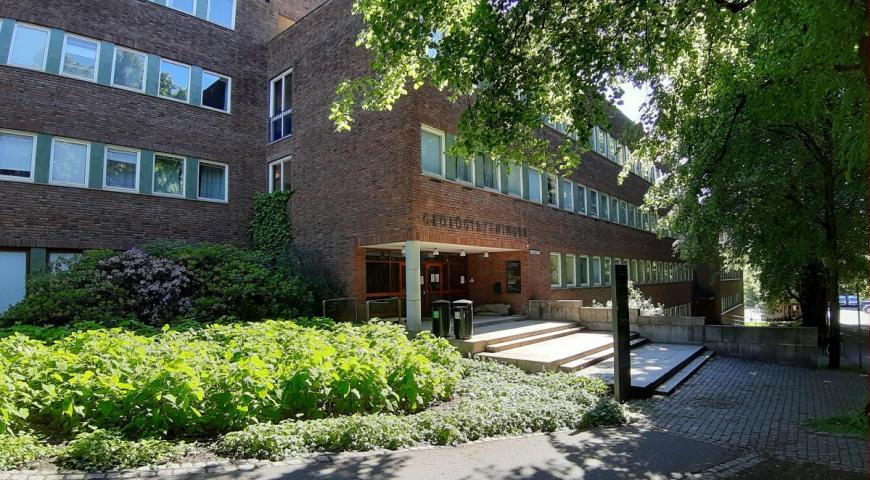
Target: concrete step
x: 651, y: 366
x: 681, y: 376
x: 520, y: 342
x: 488, y: 334
x: 550, y: 354
x: 598, y: 357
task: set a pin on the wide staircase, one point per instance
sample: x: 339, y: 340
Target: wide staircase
x: 536, y: 345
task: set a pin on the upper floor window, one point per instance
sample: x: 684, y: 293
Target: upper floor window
x: 432, y: 151
x: 215, y: 91
x: 17, y: 155
x: 174, y: 80
x: 29, y: 47
x: 279, y: 176
x: 222, y: 12
x: 168, y: 175
x: 129, y: 69
x: 614, y: 210
x: 186, y: 6
x: 592, y: 204
x: 567, y: 195
x: 69, y: 162
x: 464, y: 171
x: 80, y: 57
x: 281, y: 107
x: 552, y: 190
x: 515, y: 180
x: 535, y: 185
x: 580, y: 198
x: 212, y: 183
x: 604, y: 207
x: 491, y: 178
x: 555, y: 270
x: 122, y: 169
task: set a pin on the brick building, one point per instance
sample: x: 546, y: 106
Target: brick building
x: 129, y: 121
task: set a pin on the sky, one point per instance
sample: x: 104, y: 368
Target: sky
x: 632, y: 101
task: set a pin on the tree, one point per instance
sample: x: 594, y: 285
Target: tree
x: 758, y: 112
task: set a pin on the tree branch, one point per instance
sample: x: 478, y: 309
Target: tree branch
x: 734, y: 7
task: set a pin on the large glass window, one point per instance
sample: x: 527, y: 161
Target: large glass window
x: 17, y: 152
x: 534, y: 185
x: 601, y: 141
x: 567, y: 195
x: 222, y: 12
x: 580, y: 198
x: 215, y: 91
x: 212, y: 181
x: 186, y: 6
x: 623, y: 213
x: 570, y: 270
x: 29, y: 47
x: 514, y: 278
x: 634, y: 274
x: 490, y: 173
x: 595, y: 270
x: 279, y: 176
x: 555, y: 270
x: 515, y: 180
x: 632, y: 216
x: 592, y: 204
x: 80, y: 57
x: 168, y: 175
x: 122, y: 169
x: 604, y: 207
x: 174, y: 80
x: 464, y: 171
x: 614, y: 210
x: 281, y: 107
x: 432, y: 151
x: 129, y: 69
x: 69, y: 162
x: 552, y: 190
x: 605, y: 271
x: 583, y: 263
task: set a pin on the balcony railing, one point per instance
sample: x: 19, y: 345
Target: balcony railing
x: 281, y: 125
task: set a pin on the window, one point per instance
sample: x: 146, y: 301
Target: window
x: 605, y: 271
x: 61, y: 261
x: 168, y: 175
x: 645, y: 217
x: 186, y: 6
x: 614, y: 210
x: 595, y: 270
x: 279, y: 176
x: 584, y: 271
x: 14, y: 278
x: 215, y: 91
x: 567, y: 195
x: 281, y: 107
x: 80, y: 57
x: 604, y: 211
x: 555, y: 270
x: 580, y: 198
x: 17, y: 155
x: 464, y: 171
x: 601, y: 143
x: 212, y: 181
x: 552, y: 190
x: 634, y: 274
x: 29, y: 47
x: 514, y: 279
x: 614, y: 150
x: 129, y: 69
x: 222, y: 12
x: 122, y: 169
x: 490, y: 173
x: 535, y: 185
x: 69, y: 162
x: 174, y: 80
x: 592, y: 204
x: 632, y: 216
x: 570, y: 270
x: 648, y: 270
x: 515, y: 180
x: 623, y: 213
x: 432, y: 150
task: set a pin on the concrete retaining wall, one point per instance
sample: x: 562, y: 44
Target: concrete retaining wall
x: 796, y: 345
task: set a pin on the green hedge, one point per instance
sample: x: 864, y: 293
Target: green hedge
x: 219, y: 378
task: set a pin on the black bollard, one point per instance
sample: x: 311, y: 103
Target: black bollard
x: 621, y: 348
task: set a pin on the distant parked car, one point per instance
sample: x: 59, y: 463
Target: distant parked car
x: 853, y: 300
x: 843, y: 301
x: 865, y: 305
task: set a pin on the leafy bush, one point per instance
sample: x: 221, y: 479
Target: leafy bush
x: 102, y: 450
x: 493, y: 400
x: 162, y: 283
x: 18, y: 451
x: 218, y: 378
x: 270, y: 225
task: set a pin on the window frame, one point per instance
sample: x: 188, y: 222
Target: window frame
x: 606, y: 266
x: 571, y: 265
x: 513, y: 167
x: 193, y: 7
x: 51, y: 162
x: 284, y: 163
x: 565, y: 183
x: 229, y: 92
x: 540, y: 174
x: 496, y: 169
x: 443, y: 137
x: 226, y: 168
x: 183, y: 176
x: 45, y: 49
x: 579, y: 196
x: 604, y: 201
x: 590, y: 193
x: 557, y: 194
x: 595, y: 271
x: 189, y: 79
x: 119, y: 48
x: 583, y: 261
x: 66, y: 37
x: 284, y: 110
x: 232, y: 25
x: 138, y: 153
x: 558, y: 257
x: 28, y: 179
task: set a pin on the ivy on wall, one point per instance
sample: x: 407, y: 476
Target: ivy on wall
x: 270, y: 227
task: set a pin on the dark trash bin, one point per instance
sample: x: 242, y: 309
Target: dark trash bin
x: 463, y: 316
x: 441, y: 318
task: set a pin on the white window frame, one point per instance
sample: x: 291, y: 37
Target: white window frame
x: 66, y: 37
x: 562, y: 182
x: 283, y: 162
x: 571, y: 265
x: 87, y: 162
x: 578, y: 186
x: 518, y: 168
x: 592, y: 261
x: 189, y: 79
x: 29, y: 179
x: 195, y: 2
x: 558, y: 195
x: 138, y: 153
x: 272, y: 114
x: 604, y: 199
x: 583, y: 259
x: 558, y: 269
x: 633, y: 274
x: 144, y: 72
x: 232, y: 25
x: 229, y: 92
x: 45, y: 53
x: 183, y: 176
x: 540, y: 186
x: 496, y: 171
x: 226, y: 167
x: 443, y: 137
x: 589, y: 192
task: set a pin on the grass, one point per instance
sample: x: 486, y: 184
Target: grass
x: 853, y: 422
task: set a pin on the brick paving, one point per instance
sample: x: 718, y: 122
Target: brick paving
x: 759, y: 409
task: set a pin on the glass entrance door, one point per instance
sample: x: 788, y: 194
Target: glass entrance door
x: 433, y: 283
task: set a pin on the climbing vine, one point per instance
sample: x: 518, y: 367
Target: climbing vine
x: 270, y: 227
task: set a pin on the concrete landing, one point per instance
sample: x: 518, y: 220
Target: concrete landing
x: 675, y: 381
x: 550, y: 354
x: 489, y: 333
x: 651, y: 365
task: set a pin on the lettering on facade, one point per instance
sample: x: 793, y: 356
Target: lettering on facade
x: 454, y: 222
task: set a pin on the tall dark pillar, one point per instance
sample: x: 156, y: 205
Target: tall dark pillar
x: 621, y: 356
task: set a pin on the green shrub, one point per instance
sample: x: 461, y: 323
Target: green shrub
x: 493, y: 400
x: 102, y: 450
x: 220, y: 377
x: 18, y: 451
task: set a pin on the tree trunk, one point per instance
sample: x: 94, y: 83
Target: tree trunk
x: 832, y: 265
x: 812, y: 296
